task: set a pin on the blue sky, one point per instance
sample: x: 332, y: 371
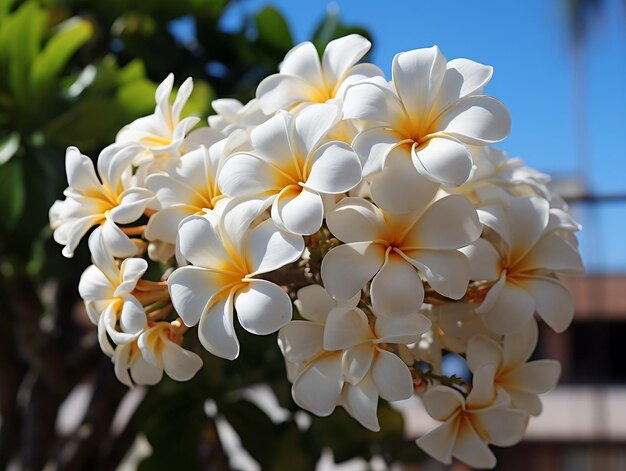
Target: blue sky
x: 528, y: 45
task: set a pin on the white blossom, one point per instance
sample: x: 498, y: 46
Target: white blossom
x: 304, y: 80
x: 227, y: 254
x: 105, y: 201
x: 293, y: 166
x: 431, y: 112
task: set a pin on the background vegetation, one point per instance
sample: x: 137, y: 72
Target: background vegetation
x: 72, y: 72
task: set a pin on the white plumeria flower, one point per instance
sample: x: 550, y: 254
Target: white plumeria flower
x: 107, y: 290
x: 105, y: 202
x: 163, y: 132
x: 343, y: 359
x: 523, y: 381
x: 531, y: 251
x: 456, y: 324
x: 496, y: 178
x: 471, y: 423
x: 232, y: 115
x: 392, y: 249
x: 303, y: 80
x: 156, y: 350
x: 227, y: 254
x: 190, y: 188
x: 432, y: 111
x: 301, y: 340
x: 293, y: 165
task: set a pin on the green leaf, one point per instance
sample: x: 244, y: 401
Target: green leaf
x: 5, y: 7
x: 26, y: 28
x: 272, y: 29
x: 49, y: 64
x: 137, y: 97
x: 12, y: 194
x: 92, y: 123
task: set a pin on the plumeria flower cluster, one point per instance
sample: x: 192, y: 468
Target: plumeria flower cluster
x: 377, y: 207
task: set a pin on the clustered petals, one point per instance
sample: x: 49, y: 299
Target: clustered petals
x: 378, y: 208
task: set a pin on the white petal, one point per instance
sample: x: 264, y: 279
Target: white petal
x: 94, y: 285
x: 357, y: 361
x: 269, y: 248
x: 392, y: 377
x: 120, y: 362
x: 238, y: 215
x: 132, y: 269
x: 483, y: 392
x: 113, y: 161
x: 346, y: 268
x: 164, y: 224
x: 279, y: 91
x: 341, y: 54
x: 553, y: 301
x: 299, y: 212
x: 335, y: 168
x: 361, y: 402
x: 373, y: 145
x: 536, y: 377
x: 248, y: 175
x: 440, y: 442
x: 303, y: 61
x: 504, y: 427
x: 373, y: 102
x: 463, y: 77
x: 262, y: 307
x: 118, y: 243
x: 178, y: 363
x: 132, y: 205
x: 476, y: 120
x: 528, y: 217
x: 191, y: 289
x: 133, y: 318
x: 345, y: 328
x: 312, y: 124
x: 447, y: 271
x: 81, y: 176
x: 518, y: 347
x: 554, y: 254
x: 300, y: 341
x: 396, y: 289
x: 527, y: 402
x: 402, y: 329
x: 181, y: 97
x: 443, y: 160
x: 317, y: 387
x: 481, y: 350
x: 355, y: 220
x: 272, y: 140
x: 143, y: 372
x: 471, y: 449
x: 484, y: 260
x: 417, y: 76
x: 513, y: 309
x: 217, y: 332
x: 77, y: 230
x: 200, y: 242
x: 442, y: 401
x: 449, y: 223
x: 314, y: 303
x: 399, y: 188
